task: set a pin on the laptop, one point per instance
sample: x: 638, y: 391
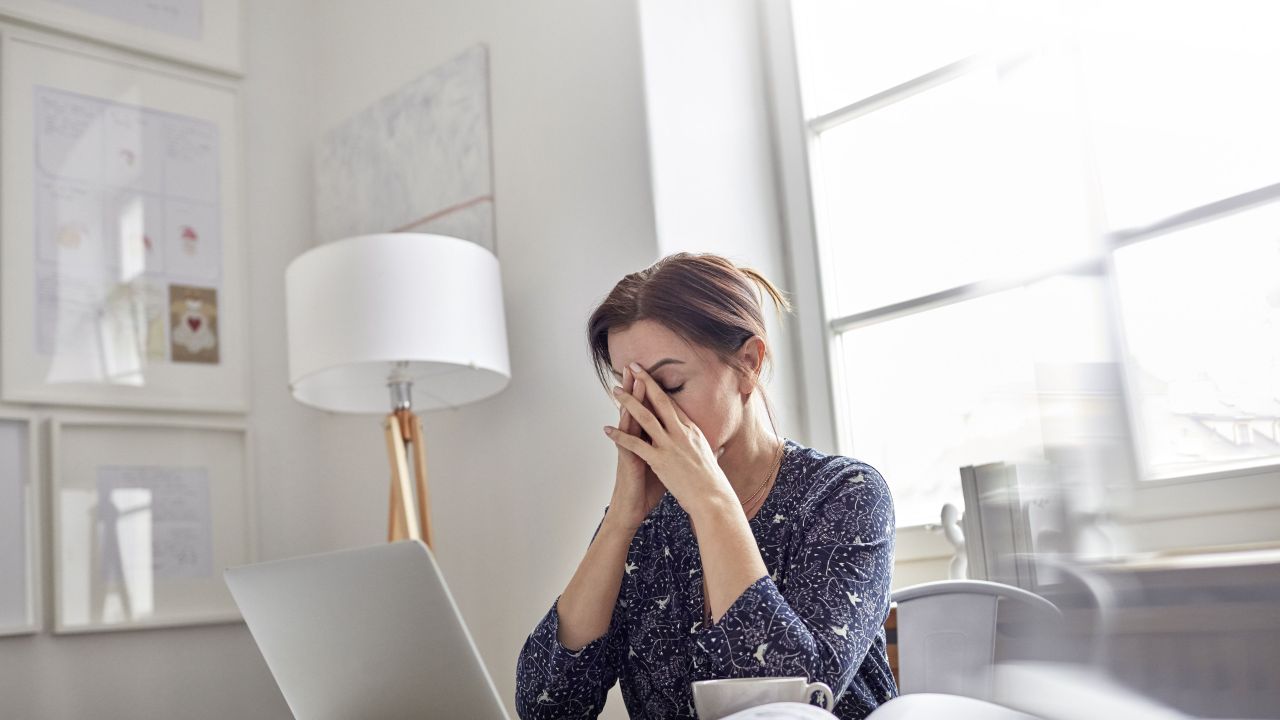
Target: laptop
x: 371, y: 633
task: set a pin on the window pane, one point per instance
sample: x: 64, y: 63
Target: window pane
x: 850, y: 49
x: 929, y: 393
x: 978, y: 178
x: 1181, y: 102
x: 1201, y: 310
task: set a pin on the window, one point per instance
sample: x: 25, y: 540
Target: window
x: 1019, y: 203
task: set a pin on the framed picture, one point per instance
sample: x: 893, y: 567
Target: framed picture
x: 431, y: 141
x: 121, y: 274
x: 146, y: 516
x: 19, y: 526
x: 205, y: 33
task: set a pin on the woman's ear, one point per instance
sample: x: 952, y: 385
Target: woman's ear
x: 750, y: 363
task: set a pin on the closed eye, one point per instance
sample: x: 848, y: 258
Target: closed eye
x: 673, y: 390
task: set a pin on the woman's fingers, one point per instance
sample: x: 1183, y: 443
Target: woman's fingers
x: 640, y: 413
x: 624, y: 417
x: 632, y: 443
x: 628, y: 420
x: 637, y: 390
x: 680, y: 413
x: 657, y: 398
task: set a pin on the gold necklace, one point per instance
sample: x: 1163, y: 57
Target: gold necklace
x: 769, y: 474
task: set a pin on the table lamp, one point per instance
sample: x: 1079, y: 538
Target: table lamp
x: 379, y: 321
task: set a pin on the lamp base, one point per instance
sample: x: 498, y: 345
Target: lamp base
x: 409, y: 515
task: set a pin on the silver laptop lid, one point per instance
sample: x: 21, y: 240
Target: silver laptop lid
x: 365, y: 633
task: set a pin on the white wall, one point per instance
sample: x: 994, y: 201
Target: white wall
x: 518, y: 482
x: 711, y: 157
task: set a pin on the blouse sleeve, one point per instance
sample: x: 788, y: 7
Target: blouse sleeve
x: 553, y: 681
x: 836, y: 597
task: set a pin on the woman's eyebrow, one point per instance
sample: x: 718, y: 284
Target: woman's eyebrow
x: 655, y: 366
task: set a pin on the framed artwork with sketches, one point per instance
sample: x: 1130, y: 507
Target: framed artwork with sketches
x: 204, y: 33
x: 122, y: 272
x: 146, y: 516
x: 417, y: 160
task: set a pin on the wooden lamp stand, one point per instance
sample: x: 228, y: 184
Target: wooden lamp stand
x: 410, y: 512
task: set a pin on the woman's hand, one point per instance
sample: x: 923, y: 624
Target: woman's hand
x: 677, y: 450
x: 636, y: 489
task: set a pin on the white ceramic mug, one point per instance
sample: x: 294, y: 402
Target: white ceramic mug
x: 714, y: 699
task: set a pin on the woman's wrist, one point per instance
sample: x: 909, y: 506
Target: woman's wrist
x: 614, y: 525
x: 714, y: 505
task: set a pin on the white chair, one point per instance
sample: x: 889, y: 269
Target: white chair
x: 947, y: 634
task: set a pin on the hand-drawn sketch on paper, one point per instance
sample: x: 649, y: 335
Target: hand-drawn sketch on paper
x: 418, y: 160
x: 154, y: 524
x: 127, y: 207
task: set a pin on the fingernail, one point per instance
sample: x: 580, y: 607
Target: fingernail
x: 636, y: 367
x: 608, y: 430
x: 617, y: 391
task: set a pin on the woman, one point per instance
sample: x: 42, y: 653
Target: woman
x: 726, y: 550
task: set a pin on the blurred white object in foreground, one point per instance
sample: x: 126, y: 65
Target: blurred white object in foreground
x: 1058, y: 691
x: 781, y: 711
x: 930, y: 706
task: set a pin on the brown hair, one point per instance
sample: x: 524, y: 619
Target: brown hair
x: 704, y: 298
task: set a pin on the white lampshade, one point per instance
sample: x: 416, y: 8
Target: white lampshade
x: 357, y: 307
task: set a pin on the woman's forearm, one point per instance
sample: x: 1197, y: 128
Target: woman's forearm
x: 731, y: 559
x: 586, y: 605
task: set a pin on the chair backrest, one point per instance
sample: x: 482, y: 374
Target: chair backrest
x: 947, y: 634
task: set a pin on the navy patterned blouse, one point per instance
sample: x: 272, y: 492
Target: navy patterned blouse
x: 826, y: 534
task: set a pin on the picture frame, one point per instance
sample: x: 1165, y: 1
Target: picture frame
x: 122, y: 272
x: 20, y: 527
x: 431, y: 139
x: 202, y: 33
x: 146, y: 514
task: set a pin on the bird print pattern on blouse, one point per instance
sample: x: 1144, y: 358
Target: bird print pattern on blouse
x: 826, y: 535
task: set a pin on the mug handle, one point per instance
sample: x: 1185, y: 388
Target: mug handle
x: 829, y: 700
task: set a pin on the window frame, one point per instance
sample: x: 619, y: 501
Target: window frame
x: 1199, y: 494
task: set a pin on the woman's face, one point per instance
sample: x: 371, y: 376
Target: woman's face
x: 704, y: 387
